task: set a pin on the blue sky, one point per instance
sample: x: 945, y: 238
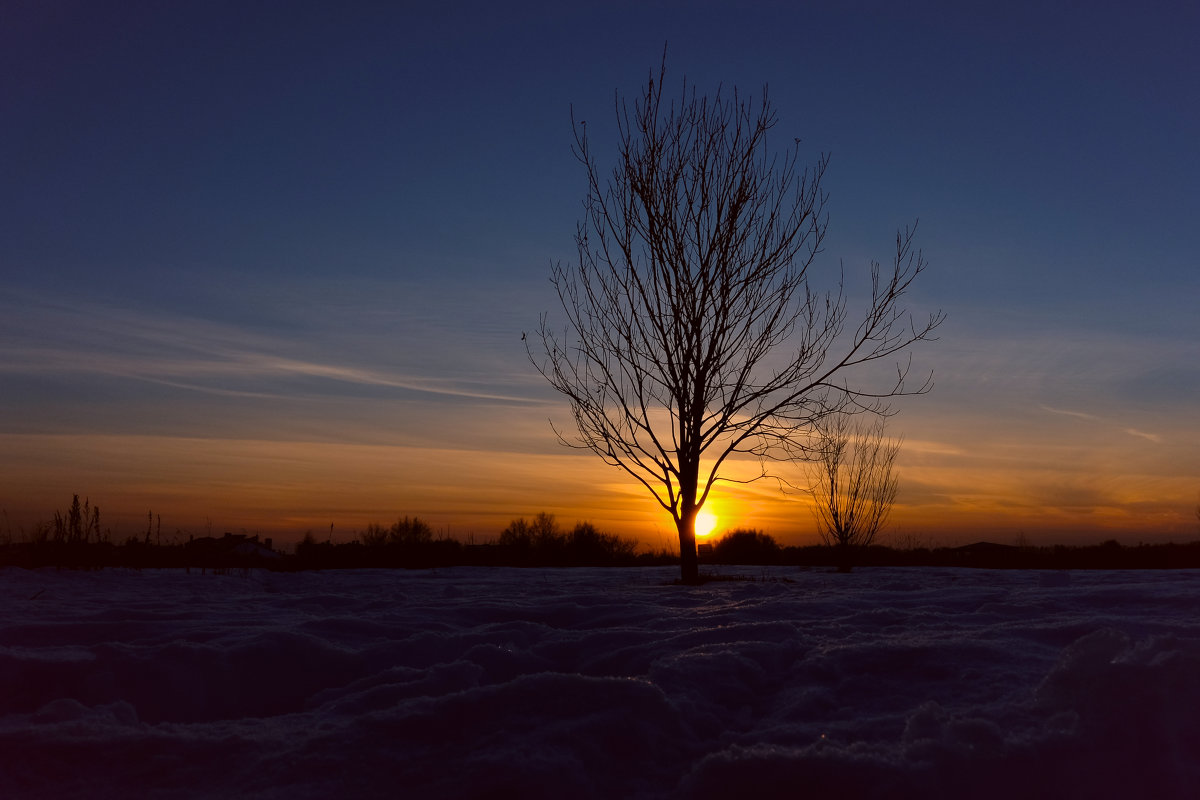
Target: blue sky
x: 268, y: 264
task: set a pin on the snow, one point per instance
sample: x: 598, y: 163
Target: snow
x: 587, y: 683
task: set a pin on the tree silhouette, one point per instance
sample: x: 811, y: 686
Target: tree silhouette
x: 746, y: 546
x: 854, y: 483
x: 404, y: 532
x: 693, y: 334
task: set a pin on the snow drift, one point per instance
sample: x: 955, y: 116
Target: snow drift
x: 599, y: 683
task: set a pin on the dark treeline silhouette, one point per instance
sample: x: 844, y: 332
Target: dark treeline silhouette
x: 229, y: 552
x: 756, y: 548
x: 541, y: 542
x: 74, y: 540
x: 582, y: 546
x: 743, y: 546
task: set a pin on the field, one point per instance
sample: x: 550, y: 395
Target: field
x: 499, y: 682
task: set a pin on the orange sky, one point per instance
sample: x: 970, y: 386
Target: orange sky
x: 1062, y: 486
x: 1029, y: 430
x: 236, y: 433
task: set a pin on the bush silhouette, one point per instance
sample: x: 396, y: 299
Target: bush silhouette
x: 541, y: 541
x: 404, y: 532
x: 746, y: 546
x: 587, y: 545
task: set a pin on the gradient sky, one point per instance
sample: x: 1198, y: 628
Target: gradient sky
x: 267, y: 265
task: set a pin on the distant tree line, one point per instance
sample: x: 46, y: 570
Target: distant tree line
x: 74, y: 540
x: 410, y: 542
x: 751, y: 547
x: 540, y: 542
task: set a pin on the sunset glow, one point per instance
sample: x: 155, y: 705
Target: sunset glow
x: 280, y: 282
x: 706, y: 523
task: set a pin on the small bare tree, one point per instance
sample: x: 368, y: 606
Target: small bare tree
x: 693, y: 334
x: 854, y: 483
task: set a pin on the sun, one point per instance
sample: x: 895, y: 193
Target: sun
x: 706, y: 523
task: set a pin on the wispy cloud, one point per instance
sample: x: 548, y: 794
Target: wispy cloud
x: 1153, y: 437
x: 1150, y: 437
x: 198, y: 355
x: 1076, y: 414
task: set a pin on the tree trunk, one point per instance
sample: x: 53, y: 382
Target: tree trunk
x: 689, y: 473
x: 845, y: 557
x: 689, y: 565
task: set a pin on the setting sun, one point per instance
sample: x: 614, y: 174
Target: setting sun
x: 706, y: 523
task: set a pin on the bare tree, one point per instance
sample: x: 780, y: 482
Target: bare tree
x: 854, y: 483
x: 693, y: 334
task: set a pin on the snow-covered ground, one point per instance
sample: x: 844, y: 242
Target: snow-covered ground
x: 599, y: 683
